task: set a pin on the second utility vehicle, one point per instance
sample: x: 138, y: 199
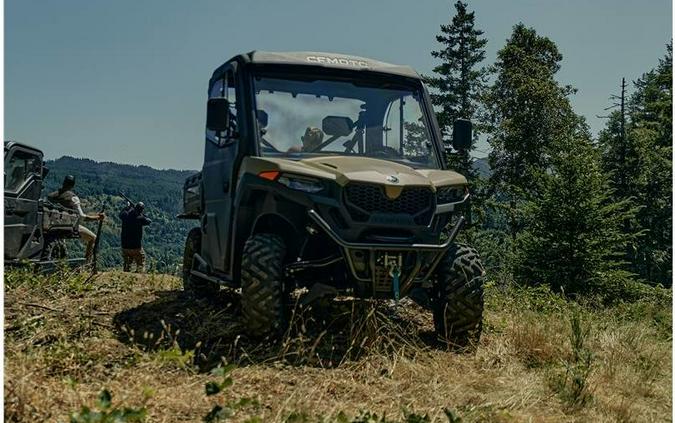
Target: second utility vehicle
x: 327, y: 171
x: 35, y: 229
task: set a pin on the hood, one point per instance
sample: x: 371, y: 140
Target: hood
x: 343, y: 169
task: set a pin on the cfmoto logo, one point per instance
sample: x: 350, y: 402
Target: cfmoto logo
x: 337, y: 61
x: 393, y: 179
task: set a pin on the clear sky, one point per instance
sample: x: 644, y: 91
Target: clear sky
x: 125, y: 80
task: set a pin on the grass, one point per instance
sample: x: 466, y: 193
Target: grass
x: 69, y: 337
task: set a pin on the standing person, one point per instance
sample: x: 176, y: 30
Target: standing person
x: 65, y: 197
x: 133, y: 220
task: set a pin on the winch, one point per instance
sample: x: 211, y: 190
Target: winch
x: 393, y: 264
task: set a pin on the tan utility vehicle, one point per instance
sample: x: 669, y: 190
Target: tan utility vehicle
x: 327, y: 171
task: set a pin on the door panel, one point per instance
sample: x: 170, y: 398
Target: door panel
x: 217, y: 177
x: 23, y: 185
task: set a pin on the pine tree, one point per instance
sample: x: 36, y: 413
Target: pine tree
x: 652, y: 103
x: 641, y: 168
x: 528, y: 112
x: 652, y: 111
x: 621, y: 154
x: 458, y: 78
x: 574, y: 239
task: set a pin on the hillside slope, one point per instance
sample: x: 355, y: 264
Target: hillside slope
x: 99, y: 184
x: 68, y: 337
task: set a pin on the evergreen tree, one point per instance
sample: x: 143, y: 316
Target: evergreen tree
x: 458, y: 78
x: 652, y: 104
x: 574, y: 239
x: 641, y: 168
x: 652, y: 110
x: 528, y: 112
x: 620, y: 155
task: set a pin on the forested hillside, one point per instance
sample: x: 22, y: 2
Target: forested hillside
x: 558, y: 207
x: 100, y: 184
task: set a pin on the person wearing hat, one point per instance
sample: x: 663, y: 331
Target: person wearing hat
x: 65, y: 197
x: 133, y: 221
x: 310, y: 141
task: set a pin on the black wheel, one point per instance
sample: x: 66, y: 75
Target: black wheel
x: 263, y: 294
x: 191, y: 284
x: 54, y: 249
x: 457, y: 296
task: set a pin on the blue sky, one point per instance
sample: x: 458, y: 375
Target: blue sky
x: 125, y: 81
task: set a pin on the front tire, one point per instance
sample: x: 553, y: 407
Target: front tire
x: 263, y: 294
x: 193, y: 285
x: 457, y: 296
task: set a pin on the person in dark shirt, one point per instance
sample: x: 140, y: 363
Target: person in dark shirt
x: 133, y: 220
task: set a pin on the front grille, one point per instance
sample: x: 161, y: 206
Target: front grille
x: 365, y: 199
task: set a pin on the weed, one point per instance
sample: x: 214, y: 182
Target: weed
x: 538, y: 299
x: 302, y: 417
x: 224, y: 411
x: 108, y: 414
x: 175, y: 357
x: 573, y: 386
x: 451, y: 416
x: 535, y: 344
x: 64, y: 279
x: 368, y: 417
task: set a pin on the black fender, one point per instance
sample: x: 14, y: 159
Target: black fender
x: 265, y: 210
x: 273, y: 223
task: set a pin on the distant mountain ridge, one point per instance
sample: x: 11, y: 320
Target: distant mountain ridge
x: 111, y: 178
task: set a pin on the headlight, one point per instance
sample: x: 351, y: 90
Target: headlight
x: 451, y: 194
x: 300, y: 183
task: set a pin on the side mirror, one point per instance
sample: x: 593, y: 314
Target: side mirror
x: 337, y: 126
x: 461, y: 134
x: 217, y: 114
x: 45, y: 171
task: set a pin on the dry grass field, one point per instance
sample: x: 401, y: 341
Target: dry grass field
x: 541, y: 359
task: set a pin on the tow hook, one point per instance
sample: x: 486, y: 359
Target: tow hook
x: 393, y: 264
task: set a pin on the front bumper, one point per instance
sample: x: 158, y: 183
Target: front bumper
x: 365, y: 259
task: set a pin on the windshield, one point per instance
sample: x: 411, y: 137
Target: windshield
x: 305, y: 118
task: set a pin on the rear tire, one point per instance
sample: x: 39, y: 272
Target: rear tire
x: 263, y: 294
x: 457, y: 296
x: 54, y: 249
x: 193, y: 285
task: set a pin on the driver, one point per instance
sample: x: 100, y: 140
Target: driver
x: 310, y: 141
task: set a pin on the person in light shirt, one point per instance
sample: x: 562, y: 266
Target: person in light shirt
x: 65, y: 197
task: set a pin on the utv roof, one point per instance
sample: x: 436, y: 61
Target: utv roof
x: 329, y: 60
x: 9, y: 144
